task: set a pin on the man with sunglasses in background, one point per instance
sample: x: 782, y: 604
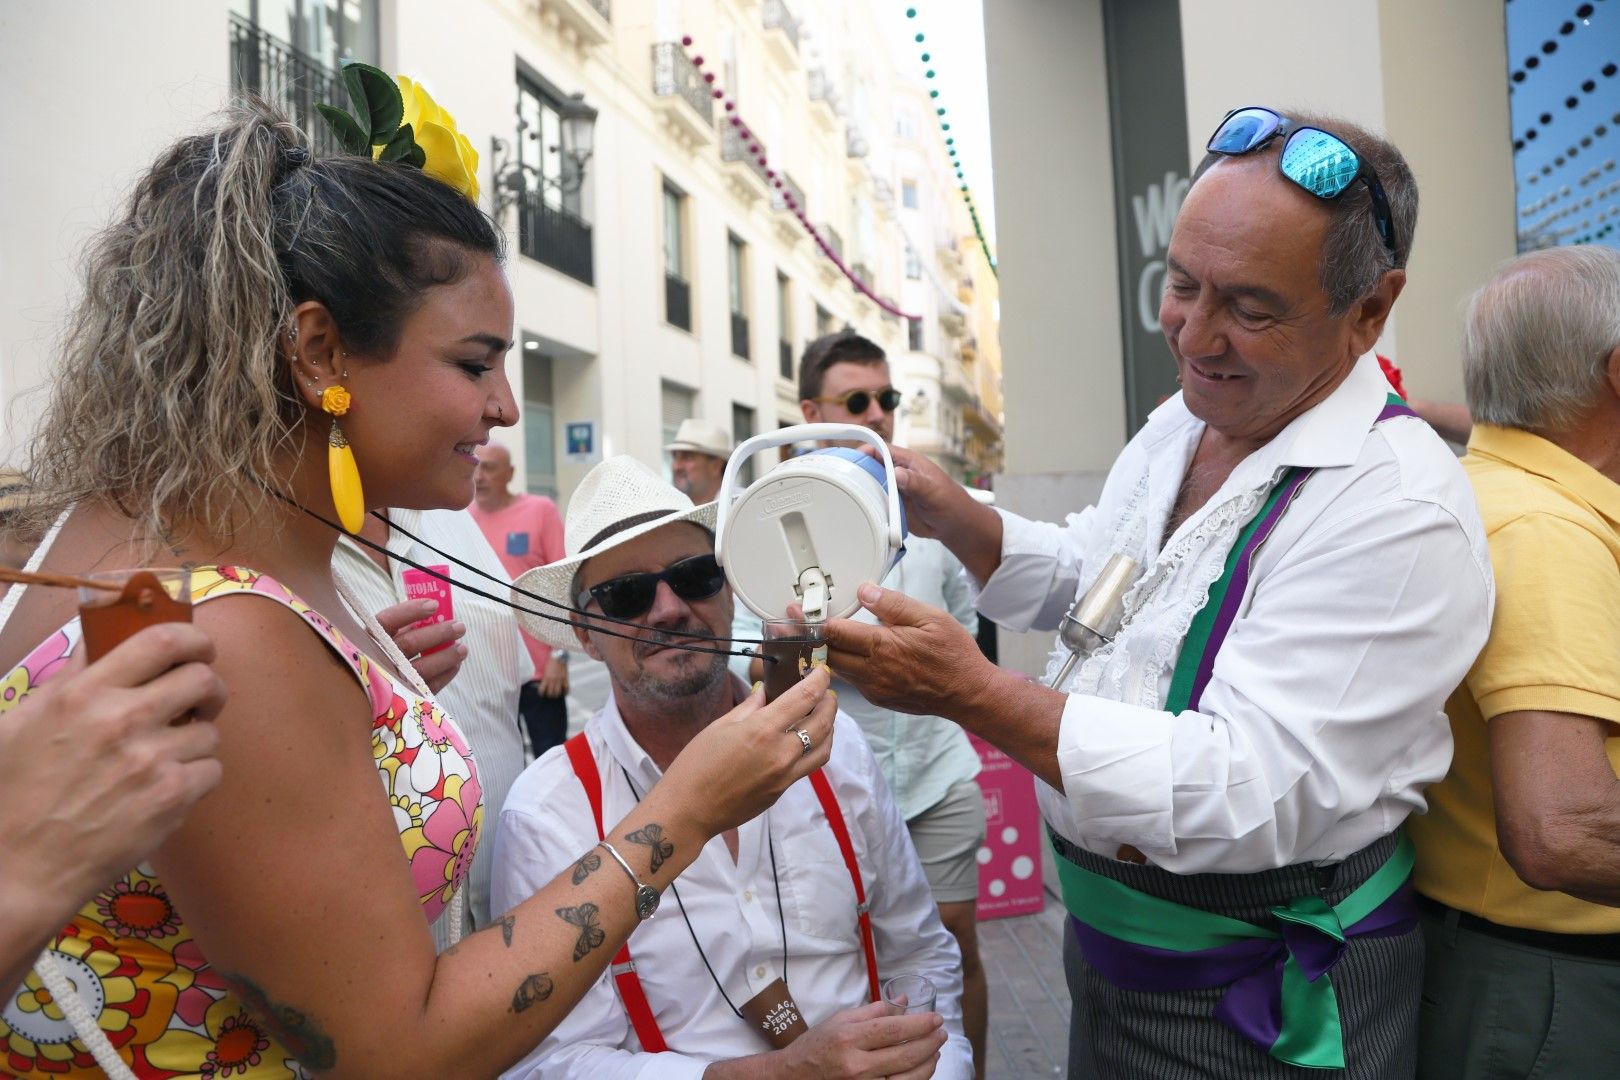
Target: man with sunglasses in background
x: 1225, y: 776
x: 931, y: 767
x: 768, y: 920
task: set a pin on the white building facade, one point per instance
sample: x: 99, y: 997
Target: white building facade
x: 666, y: 275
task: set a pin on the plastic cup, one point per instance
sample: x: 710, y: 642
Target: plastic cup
x: 791, y: 644
x: 131, y: 601
x: 909, y: 993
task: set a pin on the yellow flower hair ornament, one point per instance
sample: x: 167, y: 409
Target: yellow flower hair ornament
x: 400, y: 121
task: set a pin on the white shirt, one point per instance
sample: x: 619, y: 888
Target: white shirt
x: 547, y: 824
x: 1323, y: 721
x: 921, y: 756
x: 483, y: 697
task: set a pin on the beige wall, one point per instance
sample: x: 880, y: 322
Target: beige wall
x: 84, y: 113
x: 1063, y: 361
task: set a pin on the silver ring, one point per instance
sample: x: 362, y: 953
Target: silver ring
x: 804, y: 737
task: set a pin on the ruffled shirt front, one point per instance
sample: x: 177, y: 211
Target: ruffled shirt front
x: 1323, y: 721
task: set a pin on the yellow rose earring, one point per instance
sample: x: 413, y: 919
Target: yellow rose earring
x: 341, y: 470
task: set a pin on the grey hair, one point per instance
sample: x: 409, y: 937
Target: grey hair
x: 1537, y: 337
x: 1354, y: 255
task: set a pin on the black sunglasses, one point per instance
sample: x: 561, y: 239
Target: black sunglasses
x: 630, y: 595
x: 856, y: 401
x: 1319, y: 161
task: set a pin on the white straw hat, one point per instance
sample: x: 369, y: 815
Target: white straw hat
x: 618, y: 491
x: 703, y: 438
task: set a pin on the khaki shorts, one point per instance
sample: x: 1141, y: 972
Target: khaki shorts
x: 947, y: 837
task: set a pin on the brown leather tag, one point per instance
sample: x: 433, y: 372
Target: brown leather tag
x: 143, y: 603
x: 776, y: 1015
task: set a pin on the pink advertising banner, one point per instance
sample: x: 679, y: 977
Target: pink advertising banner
x: 1010, y: 860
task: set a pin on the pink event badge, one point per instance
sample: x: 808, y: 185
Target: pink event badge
x: 1010, y: 861
x: 423, y: 586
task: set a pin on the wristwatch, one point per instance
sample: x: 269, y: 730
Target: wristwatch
x: 646, y: 895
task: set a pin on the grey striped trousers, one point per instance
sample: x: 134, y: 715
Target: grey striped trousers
x: 1119, y: 1034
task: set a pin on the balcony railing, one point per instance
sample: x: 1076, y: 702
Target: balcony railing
x: 734, y: 147
x: 288, y: 79
x: 677, y: 301
x: 778, y: 17
x: 779, y: 195
x: 784, y: 357
x: 862, y: 271
x: 855, y: 143
x: 834, y: 241
x: 555, y: 236
x: 674, y: 73
x: 821, y: 86
x: 739, y: 334
x: 603, y: 8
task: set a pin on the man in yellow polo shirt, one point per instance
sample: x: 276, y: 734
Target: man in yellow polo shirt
x: 1519, y: 855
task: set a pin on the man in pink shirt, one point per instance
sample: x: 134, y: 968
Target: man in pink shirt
x: 526, y: 531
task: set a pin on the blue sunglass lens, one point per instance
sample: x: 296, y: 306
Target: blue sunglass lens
x: 1322, y: 164
x: 1243, y: 131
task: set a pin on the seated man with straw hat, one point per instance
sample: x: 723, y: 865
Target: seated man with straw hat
x: 773, y: 948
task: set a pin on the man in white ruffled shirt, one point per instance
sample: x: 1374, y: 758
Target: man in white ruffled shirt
x: 1225, y: 781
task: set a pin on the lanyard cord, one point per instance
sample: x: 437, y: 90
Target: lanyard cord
x: 591, y: 622
x: 770, y: 845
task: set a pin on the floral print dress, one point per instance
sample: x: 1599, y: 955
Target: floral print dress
x: 128, y: 951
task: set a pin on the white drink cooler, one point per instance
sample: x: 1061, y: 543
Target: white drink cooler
x: 836, y: 511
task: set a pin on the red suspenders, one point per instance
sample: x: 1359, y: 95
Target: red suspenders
x: 624, y: 969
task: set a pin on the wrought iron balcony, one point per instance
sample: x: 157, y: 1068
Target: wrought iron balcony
x: 292, y: 81
x: 779, y: 195
x: 821, y: 86
x: 776, y: 16
x: 676, y: 78
x: 677, y: 301
x: 834, y: 241
x: 855, y: 143
x: 556, y: 237
x: 589, y: 22
x: 734, y: 147
x: 739, y: 334
x: 603, y: 8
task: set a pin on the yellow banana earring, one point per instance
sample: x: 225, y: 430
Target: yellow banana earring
x: 341, y: 470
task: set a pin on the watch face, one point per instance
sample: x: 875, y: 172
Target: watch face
x: 646, y: 901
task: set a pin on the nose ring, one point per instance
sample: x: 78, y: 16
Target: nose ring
x: 499, y: 413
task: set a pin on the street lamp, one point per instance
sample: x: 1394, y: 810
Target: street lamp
x: 514, y: 179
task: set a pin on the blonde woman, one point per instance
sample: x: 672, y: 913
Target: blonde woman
x: 284, y: 926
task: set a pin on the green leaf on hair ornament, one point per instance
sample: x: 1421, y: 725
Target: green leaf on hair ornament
x: 402, y: 147
x: 377, y: 97
x: 346, y: 128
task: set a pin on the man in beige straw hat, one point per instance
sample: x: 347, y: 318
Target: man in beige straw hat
x: 698, y: 459
x: 771, y: 958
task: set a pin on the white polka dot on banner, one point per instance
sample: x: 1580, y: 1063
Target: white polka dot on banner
x: 997, y: 887
x: 1009, y: 835
x: 985, y: 855
x: 1022, y: 867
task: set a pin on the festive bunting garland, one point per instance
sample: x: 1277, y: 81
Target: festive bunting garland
x: 788, y: 198
x: 950, y: 147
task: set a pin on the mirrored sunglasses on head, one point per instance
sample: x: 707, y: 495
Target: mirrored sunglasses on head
x: 1316, y: 160
x: 630, y: 595
x: 857, y: 401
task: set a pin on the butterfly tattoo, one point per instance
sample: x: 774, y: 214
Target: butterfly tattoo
x: 653, y: 837
x: 588, y: 863
x: 591, y: 934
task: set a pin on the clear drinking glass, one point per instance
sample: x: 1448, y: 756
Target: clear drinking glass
x: 792, y: 644
x: 911, y: 993
x: 125, y: 601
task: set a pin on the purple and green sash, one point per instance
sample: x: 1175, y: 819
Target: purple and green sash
x: 1278, y: 992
